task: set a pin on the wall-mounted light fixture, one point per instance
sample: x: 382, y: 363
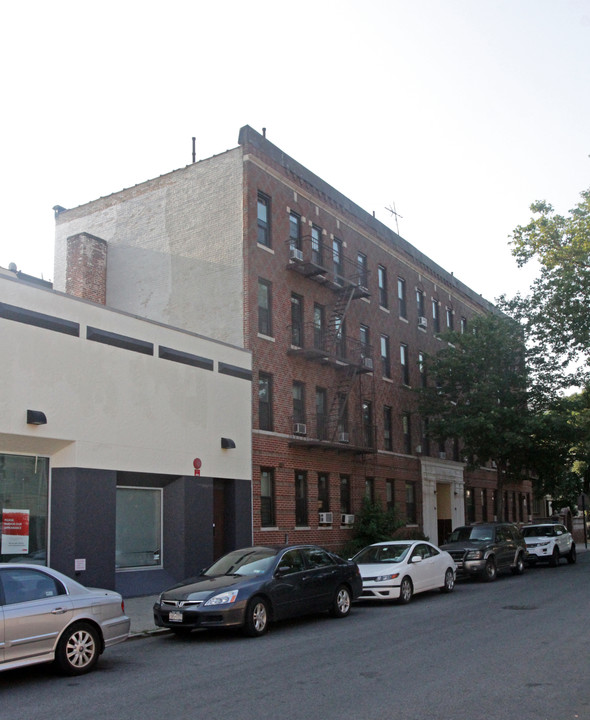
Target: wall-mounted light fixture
x: 36, y: 417
x: 227, y: 443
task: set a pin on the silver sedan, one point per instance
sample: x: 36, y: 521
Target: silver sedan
x: 46, y: 616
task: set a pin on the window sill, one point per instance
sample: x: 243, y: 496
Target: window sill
x: 270, y: 338
x: 266, y: 248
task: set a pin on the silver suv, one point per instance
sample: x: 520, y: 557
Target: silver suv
x: 548, y: 542
x: 484, y: 549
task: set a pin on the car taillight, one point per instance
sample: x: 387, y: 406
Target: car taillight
x: 123, y: 606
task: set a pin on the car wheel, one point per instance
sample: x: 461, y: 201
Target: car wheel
x: 341, y: 603
x: 449, y: 582
x: 256, y: 623
x: 78, y: 649
x: 571, y: 556
x: 406, y: 591
x: 518, y: 568
x: 490, y: 572
x: 554, y: 561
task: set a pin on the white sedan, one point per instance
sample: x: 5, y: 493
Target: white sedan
x: 396, y: 569
x: 46, y: 616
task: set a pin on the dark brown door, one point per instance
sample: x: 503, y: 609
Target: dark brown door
x: 445, y: 528
x: 218, y: 519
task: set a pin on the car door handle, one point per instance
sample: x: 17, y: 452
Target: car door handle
x: 59, y: 611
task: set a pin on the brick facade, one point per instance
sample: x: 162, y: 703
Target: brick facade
x: 87, y: 267
x: 194, y: 226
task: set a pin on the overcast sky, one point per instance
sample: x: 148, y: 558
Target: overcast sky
x: 459, y: 113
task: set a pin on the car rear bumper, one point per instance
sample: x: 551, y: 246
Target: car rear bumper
x: 116, y: 630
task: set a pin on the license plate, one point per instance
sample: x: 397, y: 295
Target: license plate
x: 175, y: 616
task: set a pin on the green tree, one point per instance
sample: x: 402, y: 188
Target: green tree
x: 477, y: 394
x: 560, y: 447
x: 555, y: 315
x: 372, y: 524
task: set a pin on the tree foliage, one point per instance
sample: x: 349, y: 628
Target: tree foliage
x: 556, y: 313
x: 477, y: 394
x: 561, y: 449
x: 372, y: 524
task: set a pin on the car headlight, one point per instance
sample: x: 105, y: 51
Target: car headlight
x: 384, y: 578
x: 544, y: 544
x: 223, y: 598
x: 474, y: 555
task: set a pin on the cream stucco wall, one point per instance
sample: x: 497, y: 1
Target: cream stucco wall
x: 113, y: 408
x: 441, y: 472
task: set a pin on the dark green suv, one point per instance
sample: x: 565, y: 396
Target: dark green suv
x: 484, y: 549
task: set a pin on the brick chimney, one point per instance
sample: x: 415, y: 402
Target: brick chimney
x: 86, y: 267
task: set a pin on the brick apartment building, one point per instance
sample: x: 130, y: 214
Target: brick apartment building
x: 251, y: 248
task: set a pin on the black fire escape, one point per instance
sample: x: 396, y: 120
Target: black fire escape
x: 346, y: 423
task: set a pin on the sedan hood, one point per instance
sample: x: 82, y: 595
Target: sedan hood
x: 202, y: 587
x: 462, y: 545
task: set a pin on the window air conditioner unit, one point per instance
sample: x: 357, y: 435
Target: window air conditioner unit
x: 343, y: 437
x: 300, y: 429
x: 296, y: 254
x: 422, y: 322
x: 325, y: 518
x: 347, y: 520
x: 368, y: 362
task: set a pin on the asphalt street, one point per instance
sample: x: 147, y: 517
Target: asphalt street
x: 515, y: 648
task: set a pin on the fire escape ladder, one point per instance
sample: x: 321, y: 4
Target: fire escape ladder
x: 337, y: 318
x: 339, y: 407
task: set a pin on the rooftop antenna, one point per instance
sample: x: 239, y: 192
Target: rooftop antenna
x: 194, y: 149
x: 394, y: 212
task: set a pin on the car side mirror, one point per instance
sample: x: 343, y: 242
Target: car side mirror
x: 417, y: 559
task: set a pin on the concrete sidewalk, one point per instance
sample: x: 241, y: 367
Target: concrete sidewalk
x: 139, y: 611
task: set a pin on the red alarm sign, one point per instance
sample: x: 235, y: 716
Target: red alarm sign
x: 197, y: 465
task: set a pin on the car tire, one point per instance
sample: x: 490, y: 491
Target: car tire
x: 554, y: 560
x: 518, y: 568
x: 571, y: 556
x: 78, y: 649
x: 490, y: 571
x: 406, y: 590
x: 341, y: 603
x: 257, y: 617
x: 449, y: 582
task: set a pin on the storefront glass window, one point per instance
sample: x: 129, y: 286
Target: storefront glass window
x: 23, y: 508
x: 139, y: 527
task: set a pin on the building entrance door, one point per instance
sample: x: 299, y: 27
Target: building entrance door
x: 443, y: 510
x: 218, y: 519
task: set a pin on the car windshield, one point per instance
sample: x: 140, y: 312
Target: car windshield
x: 252, y: 561
x: 383, y: 553
x: 538, y: 531
x: 475, y: 532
